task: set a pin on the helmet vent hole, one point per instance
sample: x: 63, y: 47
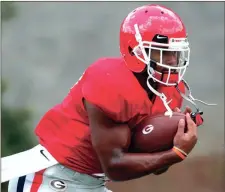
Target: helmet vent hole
x: 130, y: 51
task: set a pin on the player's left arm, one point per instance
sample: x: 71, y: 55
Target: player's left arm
x: 165, y: 169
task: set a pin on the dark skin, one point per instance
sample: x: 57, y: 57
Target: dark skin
x: 110, y: 142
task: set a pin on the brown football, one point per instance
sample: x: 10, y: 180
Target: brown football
x: 155, y: 133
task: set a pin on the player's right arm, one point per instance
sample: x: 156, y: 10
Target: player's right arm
x: 110, y: 141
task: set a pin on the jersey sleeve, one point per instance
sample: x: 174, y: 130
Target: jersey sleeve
x: 99, y: 90
x: 111, y: 93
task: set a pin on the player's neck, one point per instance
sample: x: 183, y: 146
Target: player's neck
x: 142, y: 79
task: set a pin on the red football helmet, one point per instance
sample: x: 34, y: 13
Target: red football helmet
x: 154, y: 27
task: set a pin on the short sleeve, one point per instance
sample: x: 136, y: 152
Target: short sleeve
x: 102, y: 92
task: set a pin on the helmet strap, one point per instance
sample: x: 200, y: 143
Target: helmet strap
x: 169, y: 111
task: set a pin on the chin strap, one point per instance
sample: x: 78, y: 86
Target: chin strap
x: 162, y: 96
x: 166, y: 103
x: 190, y: 98
x: 196, y: 116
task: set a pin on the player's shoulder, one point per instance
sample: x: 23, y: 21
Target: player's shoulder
x: 108, y: 66
x: 111, y: 86
x: 113, y: 72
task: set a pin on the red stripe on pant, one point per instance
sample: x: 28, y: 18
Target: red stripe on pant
x: 37, y: 181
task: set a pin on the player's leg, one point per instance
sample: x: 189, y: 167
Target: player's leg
x: 57, y: 178
x: 74, y: 181
x: 29, y: 161
x: 26, y: 183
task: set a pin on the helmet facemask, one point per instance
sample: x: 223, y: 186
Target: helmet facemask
x: 157, y: 69
x: 179, y: 46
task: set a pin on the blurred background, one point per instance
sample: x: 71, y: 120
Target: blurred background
x: 46, y: 46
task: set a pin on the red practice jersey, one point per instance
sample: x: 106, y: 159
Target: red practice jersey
x: 110, y: 85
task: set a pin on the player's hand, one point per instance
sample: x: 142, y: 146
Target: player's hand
x: 186, y: 140
x: 196, y: 117
x: 187, y: 110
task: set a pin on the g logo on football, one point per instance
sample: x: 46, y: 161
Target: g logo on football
x: 58, y: 185
x: 147, y: 129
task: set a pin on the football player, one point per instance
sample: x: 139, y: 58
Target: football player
x: 84, y: 140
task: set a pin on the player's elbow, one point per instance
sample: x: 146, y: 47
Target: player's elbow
x: 114, y: 169
x: 110, y: 161
x: 116, y: 176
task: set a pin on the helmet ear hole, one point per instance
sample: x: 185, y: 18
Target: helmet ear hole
x: 130, y: 50
x: 147, y: 51
x: 153, y: 64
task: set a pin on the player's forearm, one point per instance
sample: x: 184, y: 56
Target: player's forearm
x: 131, y: 166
